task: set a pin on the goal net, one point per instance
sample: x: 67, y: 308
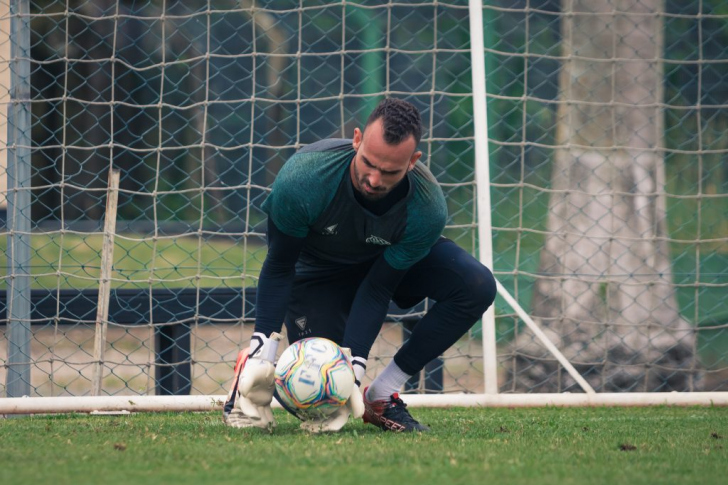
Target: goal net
x: 605, y: 143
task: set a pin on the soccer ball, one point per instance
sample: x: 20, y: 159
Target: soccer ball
x: 314, y: 377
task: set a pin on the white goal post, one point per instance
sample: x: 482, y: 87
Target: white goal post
x: 118, y: 404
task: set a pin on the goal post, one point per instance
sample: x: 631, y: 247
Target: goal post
x: 584, y: 167
x: 124, y: 404
x: 18, y: 175
x: 482, y: 177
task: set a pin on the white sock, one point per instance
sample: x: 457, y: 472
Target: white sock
x: 387, y: 383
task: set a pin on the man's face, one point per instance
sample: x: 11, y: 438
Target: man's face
x: 377, y: 167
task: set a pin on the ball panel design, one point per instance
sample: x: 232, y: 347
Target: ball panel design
x: 314, y: 376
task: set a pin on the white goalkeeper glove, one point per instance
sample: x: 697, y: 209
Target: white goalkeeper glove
x: 257, y: 384
x: 353, y: 407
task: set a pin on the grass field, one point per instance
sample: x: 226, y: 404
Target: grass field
x: 74, y: 261
x: 665, y: 445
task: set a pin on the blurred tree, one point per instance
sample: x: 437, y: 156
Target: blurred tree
x: 605, y: 293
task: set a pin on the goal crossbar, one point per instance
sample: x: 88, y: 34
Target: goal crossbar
x: 207, y: 403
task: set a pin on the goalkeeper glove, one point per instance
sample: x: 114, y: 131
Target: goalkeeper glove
x: 257, y: 384
x: 353, y: 407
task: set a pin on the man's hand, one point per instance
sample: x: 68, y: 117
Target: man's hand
x: 256, y: 392
x: 353, y: 407
x: 256, y: 386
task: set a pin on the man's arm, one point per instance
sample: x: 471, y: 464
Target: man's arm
x: 276, y: 279
x: 365, y: 320
x: 370, y: 305
x: 249, y: 402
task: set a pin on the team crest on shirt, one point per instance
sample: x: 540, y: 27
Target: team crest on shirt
x: 378, y: 241
x: 330, y: 230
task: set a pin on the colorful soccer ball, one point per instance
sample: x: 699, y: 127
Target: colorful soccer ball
x: 314, y: 377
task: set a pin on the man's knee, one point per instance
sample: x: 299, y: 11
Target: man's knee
x: 479, y: 289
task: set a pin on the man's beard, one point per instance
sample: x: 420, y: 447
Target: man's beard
x: 377, y: 194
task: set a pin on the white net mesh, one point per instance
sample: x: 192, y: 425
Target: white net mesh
x: 609, y: 203
x: 199, y: 104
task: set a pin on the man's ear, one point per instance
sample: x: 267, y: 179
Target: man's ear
x: 358, y: 137
x: 415, y: 156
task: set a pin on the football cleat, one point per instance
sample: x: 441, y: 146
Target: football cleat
x: 230, y: 415
x: 391, y: 415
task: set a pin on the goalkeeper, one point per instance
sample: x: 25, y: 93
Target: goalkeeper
x: 353, y: 225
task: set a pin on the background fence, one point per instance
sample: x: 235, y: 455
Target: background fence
x: 609, y: 181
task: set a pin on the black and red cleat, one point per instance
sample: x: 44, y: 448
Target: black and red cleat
x: 391, y: 415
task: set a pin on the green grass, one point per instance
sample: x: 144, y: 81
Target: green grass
x: 74, y: 261
x: 467, y: 446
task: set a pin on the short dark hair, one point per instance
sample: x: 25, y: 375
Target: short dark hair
x: 400, y: 120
